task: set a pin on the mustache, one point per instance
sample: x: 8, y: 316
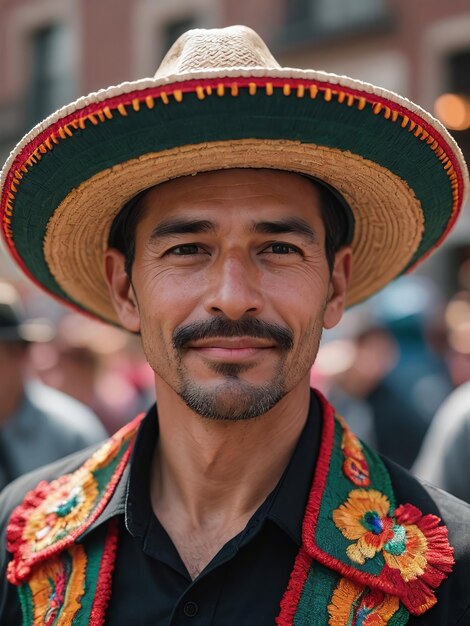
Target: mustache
x: 223, y: 327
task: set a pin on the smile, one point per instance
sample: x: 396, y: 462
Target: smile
x: 231, y: 349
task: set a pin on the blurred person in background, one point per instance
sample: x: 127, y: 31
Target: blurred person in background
x: 38, y: 424
x: 98, y: 365
x: 381, y: 370
x: 444, y: 459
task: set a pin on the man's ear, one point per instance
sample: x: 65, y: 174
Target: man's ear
x: 121, y: 290
x: 339, y: 281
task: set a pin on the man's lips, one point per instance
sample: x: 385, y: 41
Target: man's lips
x: 230, y: 348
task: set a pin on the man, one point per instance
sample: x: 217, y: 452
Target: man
x: 38, y: 424
x: 189, y: 209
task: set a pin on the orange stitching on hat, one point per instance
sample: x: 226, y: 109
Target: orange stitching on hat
x: 201, y: 91
x: 313, y: 91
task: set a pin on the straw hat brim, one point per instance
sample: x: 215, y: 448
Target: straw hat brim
x: 400, y: 171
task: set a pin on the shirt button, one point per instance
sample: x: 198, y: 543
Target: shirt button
x: 190, y: 609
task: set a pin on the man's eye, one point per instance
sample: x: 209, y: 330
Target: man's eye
x: 186, y: 249
x: 282, y: 248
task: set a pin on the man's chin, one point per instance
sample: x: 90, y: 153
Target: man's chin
x: 232, y: 400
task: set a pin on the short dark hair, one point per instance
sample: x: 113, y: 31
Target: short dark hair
x: 335, y: 212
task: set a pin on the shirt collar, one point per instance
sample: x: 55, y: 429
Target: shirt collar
x: 287, y: 502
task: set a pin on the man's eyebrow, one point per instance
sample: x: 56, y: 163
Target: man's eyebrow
x: 181, y: 226
x: 294, y: 225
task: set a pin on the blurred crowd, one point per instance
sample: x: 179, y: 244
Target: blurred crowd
x: 398, y: 369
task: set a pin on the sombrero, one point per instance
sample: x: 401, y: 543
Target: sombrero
x: 220, y: 100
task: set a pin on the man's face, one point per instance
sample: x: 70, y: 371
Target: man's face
x: 231, y: 287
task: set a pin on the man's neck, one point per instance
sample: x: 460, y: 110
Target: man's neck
x: 209, y: 476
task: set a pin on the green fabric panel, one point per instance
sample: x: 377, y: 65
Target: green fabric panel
x: 328, y: 537
x: 26, y: 603
x: 103, y: 475
x: 312, y: 609
x: 316, y: 596
x: 216, y: 118
x: 94, y: 546
x: 400, y: 618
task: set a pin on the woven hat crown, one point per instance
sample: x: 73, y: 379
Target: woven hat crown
x: 206, y: 50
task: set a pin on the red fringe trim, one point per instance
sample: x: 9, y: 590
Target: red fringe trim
x: 23, y: 561
x: 105, y: 575
x: 291, y: 597
x: 321, y: 473
x: 439, y: 555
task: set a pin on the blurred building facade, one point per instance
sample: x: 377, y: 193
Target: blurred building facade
x: 52, y: 51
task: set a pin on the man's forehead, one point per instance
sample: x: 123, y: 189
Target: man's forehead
x: 232, y: 185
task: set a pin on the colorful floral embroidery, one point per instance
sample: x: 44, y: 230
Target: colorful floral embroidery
x: 356, y: 605
x: 364, y: 519
x: 355, y: 466
x: 53, y: 515
x: 55, y: 580
x: 414, y: 547
x: 68, y: 503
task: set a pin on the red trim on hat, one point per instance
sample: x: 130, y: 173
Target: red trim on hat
x: 189, y: 86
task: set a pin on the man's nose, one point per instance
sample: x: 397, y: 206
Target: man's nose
x: 234, y: 288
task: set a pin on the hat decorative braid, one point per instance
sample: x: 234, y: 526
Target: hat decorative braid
x: 220, y: 100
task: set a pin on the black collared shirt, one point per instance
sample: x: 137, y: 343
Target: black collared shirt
x: 244, y: 582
